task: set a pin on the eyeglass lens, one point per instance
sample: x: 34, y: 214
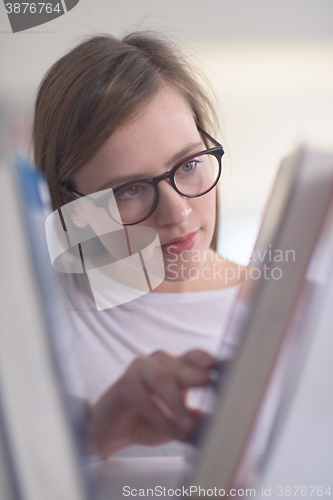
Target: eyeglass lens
x: 193, y: 178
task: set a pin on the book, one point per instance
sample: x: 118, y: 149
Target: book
x: 39, y: 452
x: 278, y: 299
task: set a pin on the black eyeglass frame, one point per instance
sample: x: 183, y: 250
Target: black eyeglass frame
x: 102, y: 202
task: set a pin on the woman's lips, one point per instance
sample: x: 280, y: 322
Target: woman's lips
x: 181, y: 244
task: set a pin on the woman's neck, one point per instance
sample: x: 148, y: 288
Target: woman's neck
x: 215, y: 274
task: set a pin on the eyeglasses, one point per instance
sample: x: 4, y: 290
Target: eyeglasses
x: 135, y: 201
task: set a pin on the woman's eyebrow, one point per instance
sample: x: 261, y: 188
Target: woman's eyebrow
x: 183, y: 153
x: 118, y: 181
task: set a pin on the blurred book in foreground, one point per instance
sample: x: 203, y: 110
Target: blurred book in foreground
x: 275, y: 315
x: 39, y: 421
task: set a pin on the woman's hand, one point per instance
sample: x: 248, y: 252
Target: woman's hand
x: 147, y: 404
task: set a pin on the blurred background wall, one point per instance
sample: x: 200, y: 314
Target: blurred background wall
x: 269, y: 62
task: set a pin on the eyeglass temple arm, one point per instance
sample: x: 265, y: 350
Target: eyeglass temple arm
x: 209, y: 136
x: 88, y: 199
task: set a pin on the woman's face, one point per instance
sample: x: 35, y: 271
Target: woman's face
x: 155, y: 140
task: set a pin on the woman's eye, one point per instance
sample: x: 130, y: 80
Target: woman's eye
x: 190, y: 166
x: 128, y: 192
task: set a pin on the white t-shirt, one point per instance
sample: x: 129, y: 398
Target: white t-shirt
x: 106, y: 342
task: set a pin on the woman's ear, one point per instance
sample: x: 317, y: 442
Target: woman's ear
x: 75, y: 213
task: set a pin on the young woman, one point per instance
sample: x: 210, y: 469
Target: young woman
x: 128, y: 115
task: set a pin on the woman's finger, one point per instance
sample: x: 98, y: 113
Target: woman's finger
x: 189, y: 370
x: 158, y: 376
x: 167, y: 376
x: 198, y: 358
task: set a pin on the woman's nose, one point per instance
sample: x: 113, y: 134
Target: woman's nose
x: 172, y: 207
